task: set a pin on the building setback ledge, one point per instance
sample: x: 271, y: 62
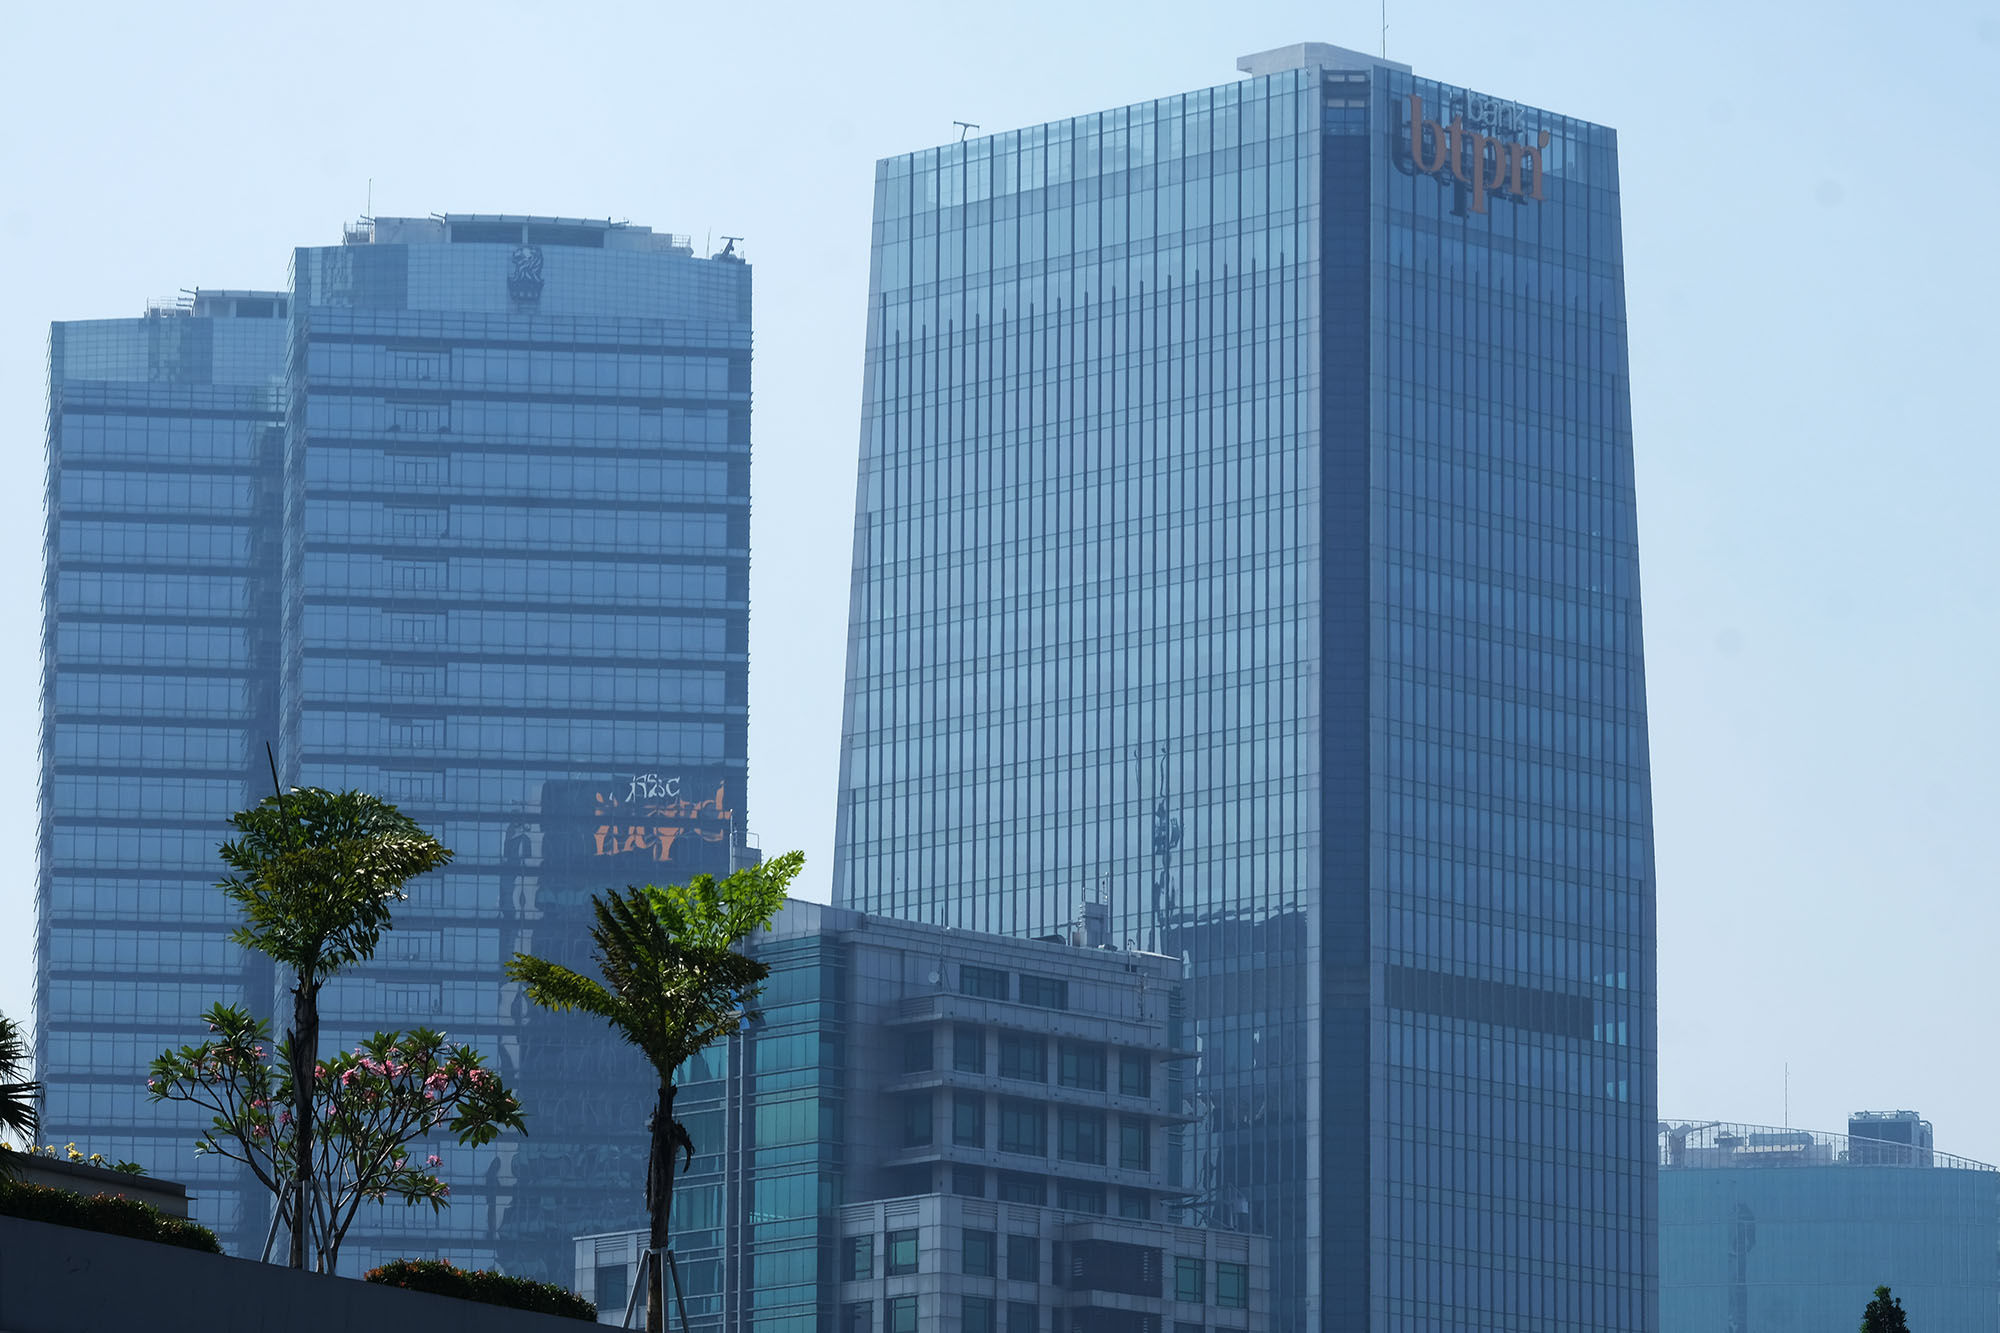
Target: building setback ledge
x: 66, y: 1280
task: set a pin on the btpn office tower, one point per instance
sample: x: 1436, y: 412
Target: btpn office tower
x: 1245, y: 536
x: 461, y: 519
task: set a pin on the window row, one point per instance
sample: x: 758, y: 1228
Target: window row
x: 170, y: 697
x: 162, y: 543
x: 87, y: 592
x: 649, y: 586
x: 209, y: 800
x: 523, y: 368
x: 637, y: 742
x: 191, y: 439
x: 163, y: 746
x: 109, y: 846
x: 136, y: 898
x: 627, y: 476
x: 144, y: 950
x: 988, y: 983
x: 550, y: 531
x: 1023, y: 1130
x: 1095, y: 1265
x: 480, y: 419
x: 157, y: 491
x: 524, y: 633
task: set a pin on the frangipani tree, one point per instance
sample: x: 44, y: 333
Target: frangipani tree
x: 674, y: 982
x: 315, y: 874
x: 394, y: 1090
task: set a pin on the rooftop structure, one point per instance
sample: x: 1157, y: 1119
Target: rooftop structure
x: 1710, y: 1145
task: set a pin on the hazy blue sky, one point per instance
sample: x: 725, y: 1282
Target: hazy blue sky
x: 1810, y: 214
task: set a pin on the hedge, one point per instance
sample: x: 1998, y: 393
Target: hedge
x: 472, y: 1284
x: 113, y: 1214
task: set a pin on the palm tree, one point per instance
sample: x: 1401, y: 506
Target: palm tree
x: 673, y: 983
x: 18, y: 1092
x: 316, y: 872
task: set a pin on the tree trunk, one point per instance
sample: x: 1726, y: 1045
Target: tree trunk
x: 304, y: 1038
x: 659, y: 1204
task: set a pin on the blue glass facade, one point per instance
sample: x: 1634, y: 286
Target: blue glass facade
x: 159, y: 686
x: 505, y: 565
x: 1245, y: 530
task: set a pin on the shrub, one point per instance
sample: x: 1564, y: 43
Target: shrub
x: 471, y: 1284
x: 113, y: 1214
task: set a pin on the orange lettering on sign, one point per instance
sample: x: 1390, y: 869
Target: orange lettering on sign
x: 1483, y: 163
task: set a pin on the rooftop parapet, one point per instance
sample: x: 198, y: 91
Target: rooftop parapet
x: 516, y: 229
x: 1695, y: 1145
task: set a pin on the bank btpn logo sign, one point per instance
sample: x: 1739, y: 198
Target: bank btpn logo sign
x: 1483, y: 163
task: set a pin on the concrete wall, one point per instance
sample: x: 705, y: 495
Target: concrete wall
x: 169, y: 1196
x: 65, y: 1280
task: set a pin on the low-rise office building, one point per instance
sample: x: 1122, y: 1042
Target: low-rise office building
x: 928, y: 1127
x: 1768, y: 1230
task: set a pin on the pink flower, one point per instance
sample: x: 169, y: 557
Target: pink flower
x: 319, y: 1071
x: 433, y: 1160
x: 284, y: 1117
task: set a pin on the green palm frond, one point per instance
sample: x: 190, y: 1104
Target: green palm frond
x: 674, y: 978
x: 18, y: 1092
x: 316, y: 872
x: 555, y: 987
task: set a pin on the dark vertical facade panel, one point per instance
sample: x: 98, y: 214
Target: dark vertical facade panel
x: 1346, y: 903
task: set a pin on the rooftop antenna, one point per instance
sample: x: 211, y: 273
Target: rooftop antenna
x: 1385, y: 29
x: 370, y: 214
x: 965, y: 127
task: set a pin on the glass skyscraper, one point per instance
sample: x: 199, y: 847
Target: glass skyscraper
x: 159, y: 687
x: 488, y: 559
x: 1245, y: 533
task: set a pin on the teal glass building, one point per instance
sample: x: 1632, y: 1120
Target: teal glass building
x: 1246, y: 532
x: 1768, y: 1230
x: 482, y: 549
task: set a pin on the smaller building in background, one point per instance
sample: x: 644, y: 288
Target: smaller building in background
x: 1766, y: 1230
x: 938, y: 1129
